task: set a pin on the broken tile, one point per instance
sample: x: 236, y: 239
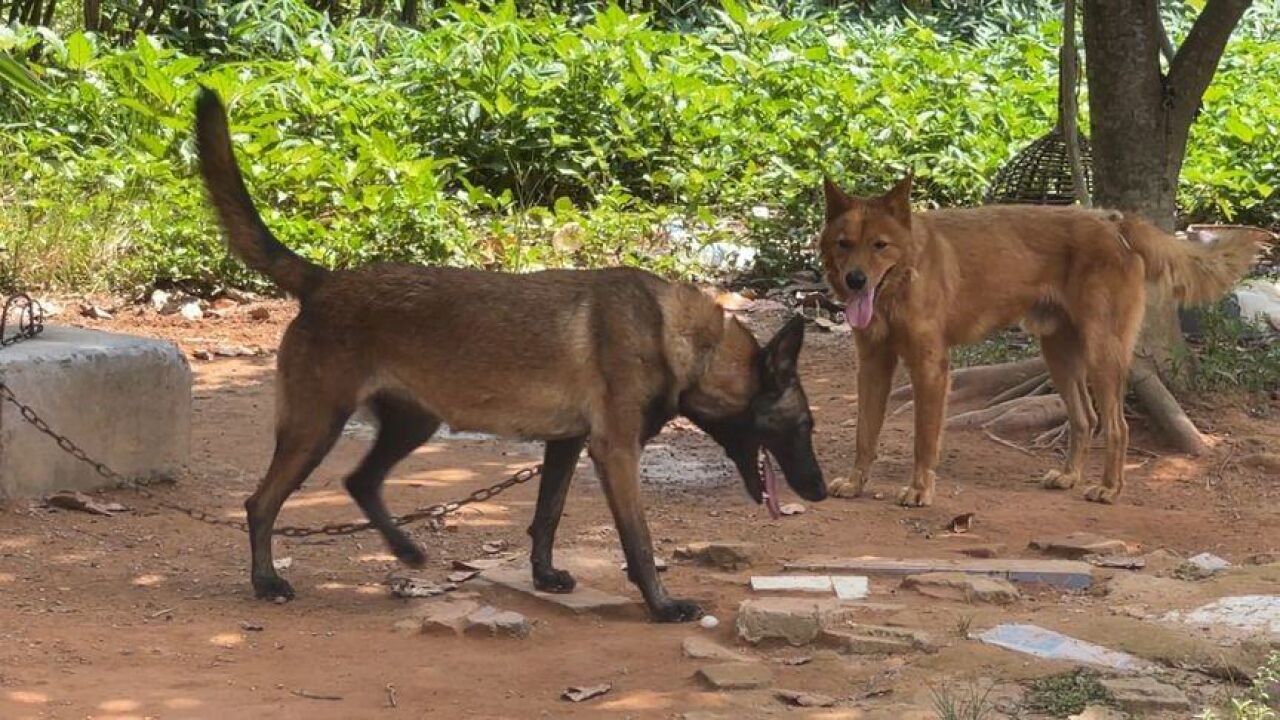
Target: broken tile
x: 850, y: 587
x: 1142, y: 696
x: 1044, y: 643
x: 1074, y: 546
x: 791, y: 583
x: 963, y: 587
x: 701, y: 648
x: 519, y: 577
x: 1252, y: 614
x: 1067, y: 574
x: 736, y: 676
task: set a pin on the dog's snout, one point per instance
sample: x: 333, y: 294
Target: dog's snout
x: 855, y: 279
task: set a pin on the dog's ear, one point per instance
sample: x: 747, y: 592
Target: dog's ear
x: 837, y: 200
x: 782, y: 354
x: 898, y: 200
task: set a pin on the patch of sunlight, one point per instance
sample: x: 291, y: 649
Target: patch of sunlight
x: 6, y: 578
x: 148, y: 580
x: 227, y: 640
x: 118, y: 706
x: 17, y: 543
x: 639, y: 700
x: 376, y: 557
x: 1173, y: 469
x: 28, y: 697
x: 316, y: 499
x: 182, y: 703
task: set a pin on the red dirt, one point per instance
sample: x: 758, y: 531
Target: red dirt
x: 139, y: 615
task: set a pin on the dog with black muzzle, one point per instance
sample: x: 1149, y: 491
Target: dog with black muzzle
x: 600, y: 359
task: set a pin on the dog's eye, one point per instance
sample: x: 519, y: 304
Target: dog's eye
x: 880, y: 245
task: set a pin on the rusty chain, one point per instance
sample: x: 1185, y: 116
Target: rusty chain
x: 31, y: 324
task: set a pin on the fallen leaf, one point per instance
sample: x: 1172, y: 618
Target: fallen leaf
x: 82, y: 503
x: 960, y: 523
x: 586, y: 692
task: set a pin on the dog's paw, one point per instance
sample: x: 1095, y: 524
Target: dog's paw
x: 410, y: 554
x: 1058, y: 480
x: 274, y: 588
x: 1101, y: 494
x: 915, y: 497
x: 677, y: 611
x: 850, y: 487
x: 554, y: 581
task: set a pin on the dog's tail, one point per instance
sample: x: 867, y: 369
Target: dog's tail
x: 247, y: 235
x: 1194, y: 273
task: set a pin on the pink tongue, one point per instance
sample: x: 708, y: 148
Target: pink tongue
x: 860, y: 308
x: 771, y: 488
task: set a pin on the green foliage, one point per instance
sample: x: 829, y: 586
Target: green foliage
x: 1234, y: 353
x: 970, y: 703
x: 478, y: 139
x: 1260, y: 702
x: 1066, y: 694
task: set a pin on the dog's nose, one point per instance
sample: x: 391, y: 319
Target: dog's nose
x: 856, y: 280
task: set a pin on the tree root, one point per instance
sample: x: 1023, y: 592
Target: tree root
x: 1018, y: 415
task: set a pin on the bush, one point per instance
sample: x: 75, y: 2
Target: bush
x: 478, y: 138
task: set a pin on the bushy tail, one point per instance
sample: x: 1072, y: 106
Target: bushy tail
x: 247, y: 235
x: 1193, y: 272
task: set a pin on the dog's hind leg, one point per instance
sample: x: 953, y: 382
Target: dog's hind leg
x: 1065, y: 358
x: 403, y: 425
x: 303, y: 437
x: 558, y: 463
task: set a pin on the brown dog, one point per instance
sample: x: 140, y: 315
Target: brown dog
x: 919, y: 283
x: 601, y: 359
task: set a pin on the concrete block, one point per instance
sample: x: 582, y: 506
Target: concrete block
x: 583, y: 599
x: 126, y: 400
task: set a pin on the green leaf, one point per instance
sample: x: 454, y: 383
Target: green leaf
x: 79, y: 51
x: 735, y: 12
x: 15, y: 75
x: 1240, y: 129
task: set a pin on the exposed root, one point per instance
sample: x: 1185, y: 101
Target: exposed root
x: 1020, y: 415
x: 1032, y: 386
x: 1007, y: 443
x: 984, y: 380
x: 1163, y: 410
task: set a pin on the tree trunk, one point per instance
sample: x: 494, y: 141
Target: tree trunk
x: 1140, y: 120
x: 92, y: 15
x: 409, y: 12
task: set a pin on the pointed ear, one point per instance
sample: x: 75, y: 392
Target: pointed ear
x: 782, y: 354
x: 837, y: 200
x: 898, y: 200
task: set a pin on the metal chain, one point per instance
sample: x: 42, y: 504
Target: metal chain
x: 31, y: 323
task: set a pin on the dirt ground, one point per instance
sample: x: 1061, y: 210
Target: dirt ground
x: 145, y: 614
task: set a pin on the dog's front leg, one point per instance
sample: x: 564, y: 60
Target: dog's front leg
x: 557, y: 470
x: 617, y: 462
x: 930, y: 381
x: 876, y: 363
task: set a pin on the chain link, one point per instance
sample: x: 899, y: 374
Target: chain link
x: 31, y: 323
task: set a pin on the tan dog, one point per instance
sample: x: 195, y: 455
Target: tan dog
x: 916, y: 284
x: 601, y: 359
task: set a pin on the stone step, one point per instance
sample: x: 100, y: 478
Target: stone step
x: 1067, y: 574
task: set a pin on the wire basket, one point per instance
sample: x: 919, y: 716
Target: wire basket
x: 1041, y: 173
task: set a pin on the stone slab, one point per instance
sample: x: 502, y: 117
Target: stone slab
x: 1068, y: 574
x: 1074, y: 546
x: 1044, y: 643
x: 736, y: 676
x: 963, y: 587
x: 1144, y: 695
x: 125, y: 400
x: 583, y: 599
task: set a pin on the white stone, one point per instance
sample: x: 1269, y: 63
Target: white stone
x: 850, y: 587
x: 125, y: 400
x: 791, y: 583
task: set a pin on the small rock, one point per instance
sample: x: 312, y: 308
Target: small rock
x: 700, y: 648
x: 736, y: 676
x: 1263, y: 558
x: 260, y: 313
x: 251, y: 626
x: 804, y: 699
x: 283, y: 563
x: 447, y: 617
x: 709, y: 622
x: 159, y: 301
x: 94, y: 312
x: 202, y: 354
x: 1076, y: 545
x: 191, y: 310
x: 1208, y: 563
x: 495, y: 547
x: 1117, y: 562
x: 792, y: 509
x: 1161, y: 561
x: 492, y: 621
x: 963, y: 587
x: 724, y: 555
x: 1145, y: 695
x: 988, y: 551
x: 793, y: 620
